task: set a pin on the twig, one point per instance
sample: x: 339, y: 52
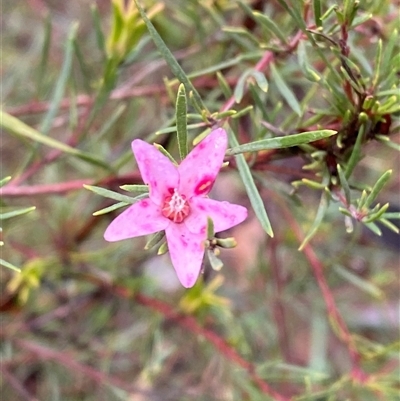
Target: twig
x: 343, y: 332
x: 191, y: 324
x: 70, y: 362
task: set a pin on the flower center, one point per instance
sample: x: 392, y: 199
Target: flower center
x: 175, y: 207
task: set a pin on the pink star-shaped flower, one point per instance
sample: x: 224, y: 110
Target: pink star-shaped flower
x: 178, y: 203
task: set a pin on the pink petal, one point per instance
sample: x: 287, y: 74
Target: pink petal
x: 199, y: 169
x: 142, y: 218
x: 156, y: 170
x: 224, y: 215
x: 187, y: 251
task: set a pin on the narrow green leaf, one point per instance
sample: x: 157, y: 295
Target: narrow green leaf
x: 260, y: 80
x: 8, y: 215
x: 97, y: 29
x: 210, y: 228
x: 169, y: 130
x: 4, y: 181
x: 251, y: 189
x: 308, y: 71
x: 171, y: 60
x: 322, y: 208
x: 378, y: 60
x: 270, y: 25
x: 181, y: 121
x: 359, y: 282
x: 135, y: 188
x: 344, y: 184
x: 317, y: 8
x: 374, y: 228
x: 215, y: 262
x: 240, y: 86
x: 61, y: 84
x: 86, y: 72
x: 281, y: 142
x: 110, y: 208
x: 9, y: 265
x: 284, y: 90
x: 18, y: 128
x: 114, y: 195
x: 292, y: 9
x: 154, y: 240
x: 389, y: 225
x: 165, y: 152
x: 223, y: 84
x: 392, y: 215
x: 44, y: 55
x: 377, y: 215
x: 242, y: 33
x: 387, y: 62
x: 162, y: 249
x: 377, y: 188
x: 242, y: 112
x: 356, y: 153
x: 109, y: 123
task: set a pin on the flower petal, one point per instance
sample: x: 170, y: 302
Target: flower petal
x: 142, y: 218
x: 198, y: 170
x: 224, y: 215
x: 187, y: 251
x: 156, y: 170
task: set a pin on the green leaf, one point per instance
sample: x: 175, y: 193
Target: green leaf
x: 317, y: 8
x: 165, y: 153
x: 292, y: 9
x: 181, y: 121
x: 284, y: 90
x: 374, y: 228
x: 61, y: 84
x: 270, y: 25
x: 224, y: 85
x: 251, y: 189
x: 154, y: 240
x: 114, y: 195
x: 18, y: 128
x: 322, y: 208
x: 378, y: 60
x: 215, y: 262
x: 377, y: 188
x: 97, y: 29
x: 171, y: 60
x: 373, y: 216
x: 240, y: 86
x: 281, y: 142
x: 210, y: 228
x: 135, y: 188
x: 110, y: 208
x: 344, y: 184
x: 389, y: 225
x: 359, y: 282
x: 261, y: 81
x: 8, y: 215
x: 356, y: 153
x: 44, y: 55
x: 4, y: 181
x: 308, y: 71
x: 392, y: 215
x: 9, y: 265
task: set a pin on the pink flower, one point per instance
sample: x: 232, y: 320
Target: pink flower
x: 178, y: 203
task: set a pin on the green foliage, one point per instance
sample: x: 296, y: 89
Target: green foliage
x: 309, y: 94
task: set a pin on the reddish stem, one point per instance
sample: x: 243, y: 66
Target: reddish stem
x: 190, y: 323
x: 318, y: 270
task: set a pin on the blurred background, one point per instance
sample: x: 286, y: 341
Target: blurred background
x: 89, y: 320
